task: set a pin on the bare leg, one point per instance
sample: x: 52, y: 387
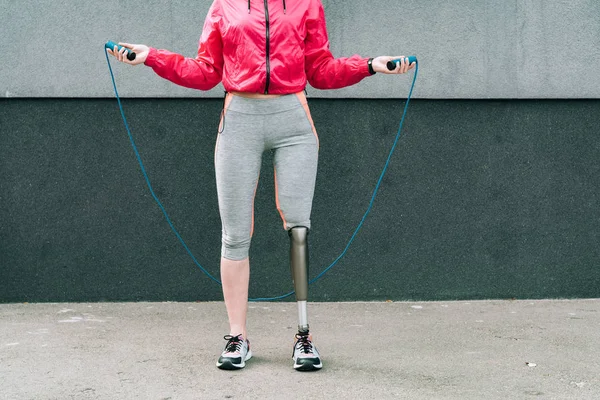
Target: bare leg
x: 235, y: 276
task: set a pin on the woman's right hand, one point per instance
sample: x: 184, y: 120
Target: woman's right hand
x: 141, y: 52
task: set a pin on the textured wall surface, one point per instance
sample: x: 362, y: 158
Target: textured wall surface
x: 467, y: 48
x: 482, y: 199
x: 493, y: 196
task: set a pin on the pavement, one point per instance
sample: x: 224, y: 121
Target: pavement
x: 545, y: 349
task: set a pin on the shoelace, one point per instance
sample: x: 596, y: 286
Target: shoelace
x: 304, y: 344
x: 234, y: 343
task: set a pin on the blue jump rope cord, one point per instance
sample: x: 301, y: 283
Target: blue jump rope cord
x: 137, y: 154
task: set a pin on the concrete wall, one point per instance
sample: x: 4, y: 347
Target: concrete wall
x: 482, y: 199
x: 467, y: 48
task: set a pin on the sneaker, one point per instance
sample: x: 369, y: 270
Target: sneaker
x: 236, y: 353
x: 306, y: 357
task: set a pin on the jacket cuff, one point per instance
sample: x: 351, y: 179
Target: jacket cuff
x: 151, y: 58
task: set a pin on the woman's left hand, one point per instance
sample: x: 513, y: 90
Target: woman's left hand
x: 380, y: 65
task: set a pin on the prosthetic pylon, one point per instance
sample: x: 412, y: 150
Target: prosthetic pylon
x: 299, y: 268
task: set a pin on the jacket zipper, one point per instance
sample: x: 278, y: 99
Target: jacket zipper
x: 268, y: 47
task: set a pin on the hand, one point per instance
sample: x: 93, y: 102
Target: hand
x: 141, y: 52
x: 380, y: 65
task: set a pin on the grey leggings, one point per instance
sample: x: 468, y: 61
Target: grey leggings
x: 249, y: 127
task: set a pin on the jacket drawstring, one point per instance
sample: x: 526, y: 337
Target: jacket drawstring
x: 284, y: 7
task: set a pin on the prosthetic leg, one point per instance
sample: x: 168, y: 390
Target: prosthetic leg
x: 299, y: 268
x: 305, y: 355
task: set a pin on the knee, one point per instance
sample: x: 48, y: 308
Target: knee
x: 292, y: 222
x: 235, y: 247
x: 298, y: 235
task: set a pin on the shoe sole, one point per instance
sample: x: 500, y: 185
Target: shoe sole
x: 229, y: 366
x: 308, y: 366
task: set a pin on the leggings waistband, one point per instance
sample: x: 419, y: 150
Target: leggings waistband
x: 264, y: 105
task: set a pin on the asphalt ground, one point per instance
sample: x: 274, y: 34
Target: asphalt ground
x: 545, y: 349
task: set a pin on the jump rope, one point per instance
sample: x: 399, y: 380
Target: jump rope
x: 391, y: 65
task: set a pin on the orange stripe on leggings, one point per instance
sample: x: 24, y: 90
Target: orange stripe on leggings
x: 253, y: 197
x: 228, y: 98
x: 277, y: 200
x: 252, y: 226
x: 302, y: 97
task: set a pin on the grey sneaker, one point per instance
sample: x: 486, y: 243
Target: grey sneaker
x: 306, y: 357
x: 236, y: 353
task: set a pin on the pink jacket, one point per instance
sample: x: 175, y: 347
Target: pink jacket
x: 261, y: 46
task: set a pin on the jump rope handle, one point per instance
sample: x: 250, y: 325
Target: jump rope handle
x: 391, y: 65
x: 111, y: 45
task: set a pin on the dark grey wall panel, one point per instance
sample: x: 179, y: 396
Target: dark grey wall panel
x: 466, y: 48
x: 483, y: 199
